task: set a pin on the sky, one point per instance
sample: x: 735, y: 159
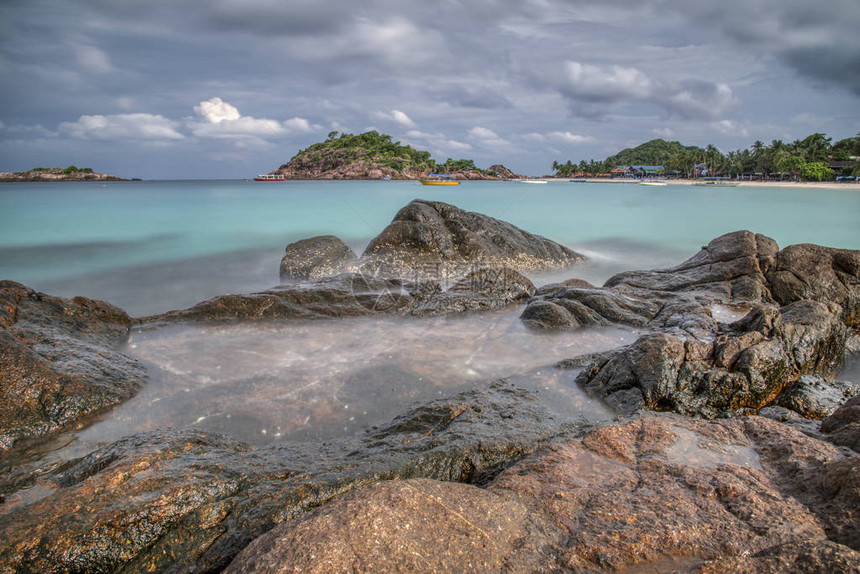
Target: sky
x: 182, y: 89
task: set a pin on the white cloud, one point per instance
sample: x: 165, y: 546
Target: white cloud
x: 149, y: 127
x: 569, y: 138
x: 602, y: 83
x: 396, y: 116
x: 488, y: 138
x: 664, y: 132
x: 216, y: 110
x: 219, y: 119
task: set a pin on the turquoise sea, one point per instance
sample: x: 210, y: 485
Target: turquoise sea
x: 156, y: 245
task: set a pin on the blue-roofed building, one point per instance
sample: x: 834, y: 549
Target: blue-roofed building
x: 646, y: 170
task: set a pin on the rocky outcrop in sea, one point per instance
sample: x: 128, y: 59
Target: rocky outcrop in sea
x: 735, y: 448
x: 738, y: 327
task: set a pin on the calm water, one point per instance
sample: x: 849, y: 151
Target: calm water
x: 153, y: 246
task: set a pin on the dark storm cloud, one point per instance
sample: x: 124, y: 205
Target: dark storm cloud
x: 818, y: 40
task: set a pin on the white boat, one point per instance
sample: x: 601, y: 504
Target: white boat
x: 270, y: 177
x: 658, y: 183
x: 713, y: 183
x: 533, y: 181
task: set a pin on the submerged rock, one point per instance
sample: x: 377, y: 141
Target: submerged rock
x: 657, y: 494
x: 315, y: 258
x: 58, y: 362
x: 737, y: 326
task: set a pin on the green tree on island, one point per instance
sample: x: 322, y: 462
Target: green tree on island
x: 808, y: 158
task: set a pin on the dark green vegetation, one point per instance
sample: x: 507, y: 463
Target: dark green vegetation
x: 372, y: 148
x: 68, y: 170
x: 813, y: 158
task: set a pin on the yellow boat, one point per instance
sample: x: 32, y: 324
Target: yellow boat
x: 439, y: 179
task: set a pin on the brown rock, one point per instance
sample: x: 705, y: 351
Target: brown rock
x: 656, y: 494
x: 404, y: 526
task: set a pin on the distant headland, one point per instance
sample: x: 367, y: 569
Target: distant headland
x: 70, y: 173
x: 372, y: 155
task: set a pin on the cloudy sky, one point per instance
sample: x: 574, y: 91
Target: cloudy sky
x: 232, y: 88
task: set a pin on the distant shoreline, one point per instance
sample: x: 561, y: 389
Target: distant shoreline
x: 784, y: 184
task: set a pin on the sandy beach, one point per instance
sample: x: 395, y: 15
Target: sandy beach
x: 786, y: 184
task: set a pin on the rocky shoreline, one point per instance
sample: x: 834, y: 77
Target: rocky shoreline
x: 735, y: 447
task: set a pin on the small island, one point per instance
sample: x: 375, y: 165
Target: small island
x: 70, y: 173
x: 372, y: 155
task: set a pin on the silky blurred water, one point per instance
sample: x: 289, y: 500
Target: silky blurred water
x: 153, y: 246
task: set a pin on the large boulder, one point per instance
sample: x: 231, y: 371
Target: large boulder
x: 427, y: 235
x: 746, y: 366
x: 314, y: 258
x: 657, y: 494
x: 59, y: 362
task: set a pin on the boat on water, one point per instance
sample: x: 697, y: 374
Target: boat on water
x: 533, y: 181
x: 270, y: 177
x: 717, y: 182
x: 439, y: 179
x: 580, y: 180
x: 652, y: 182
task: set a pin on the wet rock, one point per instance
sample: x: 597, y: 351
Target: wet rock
x: 315, y: 258
x: 482, y: 290
x: 819, y: 273
x: 815, y: 398
x: 190, y: 500
x: 811, y: 557
x: 738, y: 372
x: 656, y: 494
x: 814, y: 472
x: 700, y: 361
x: 732, y: 266
x: 843, y: 426
x: 425, y: 235
x: 59, y: 362
x: 389, y: 527
x: 359, y: 294
x: 548, y: 315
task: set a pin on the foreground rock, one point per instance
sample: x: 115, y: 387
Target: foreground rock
x: 358, y: 294
x: 740, y: 326
x: 187, y: 500
x: 316, y: 258
x: 657, y: 494
x: 429, y: 238
x: 58, y: 362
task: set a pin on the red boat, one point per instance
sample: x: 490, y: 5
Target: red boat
x: 270, y: 177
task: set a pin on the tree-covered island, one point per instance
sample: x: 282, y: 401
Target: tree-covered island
x: 372, y: 155
x: 71, y: 173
